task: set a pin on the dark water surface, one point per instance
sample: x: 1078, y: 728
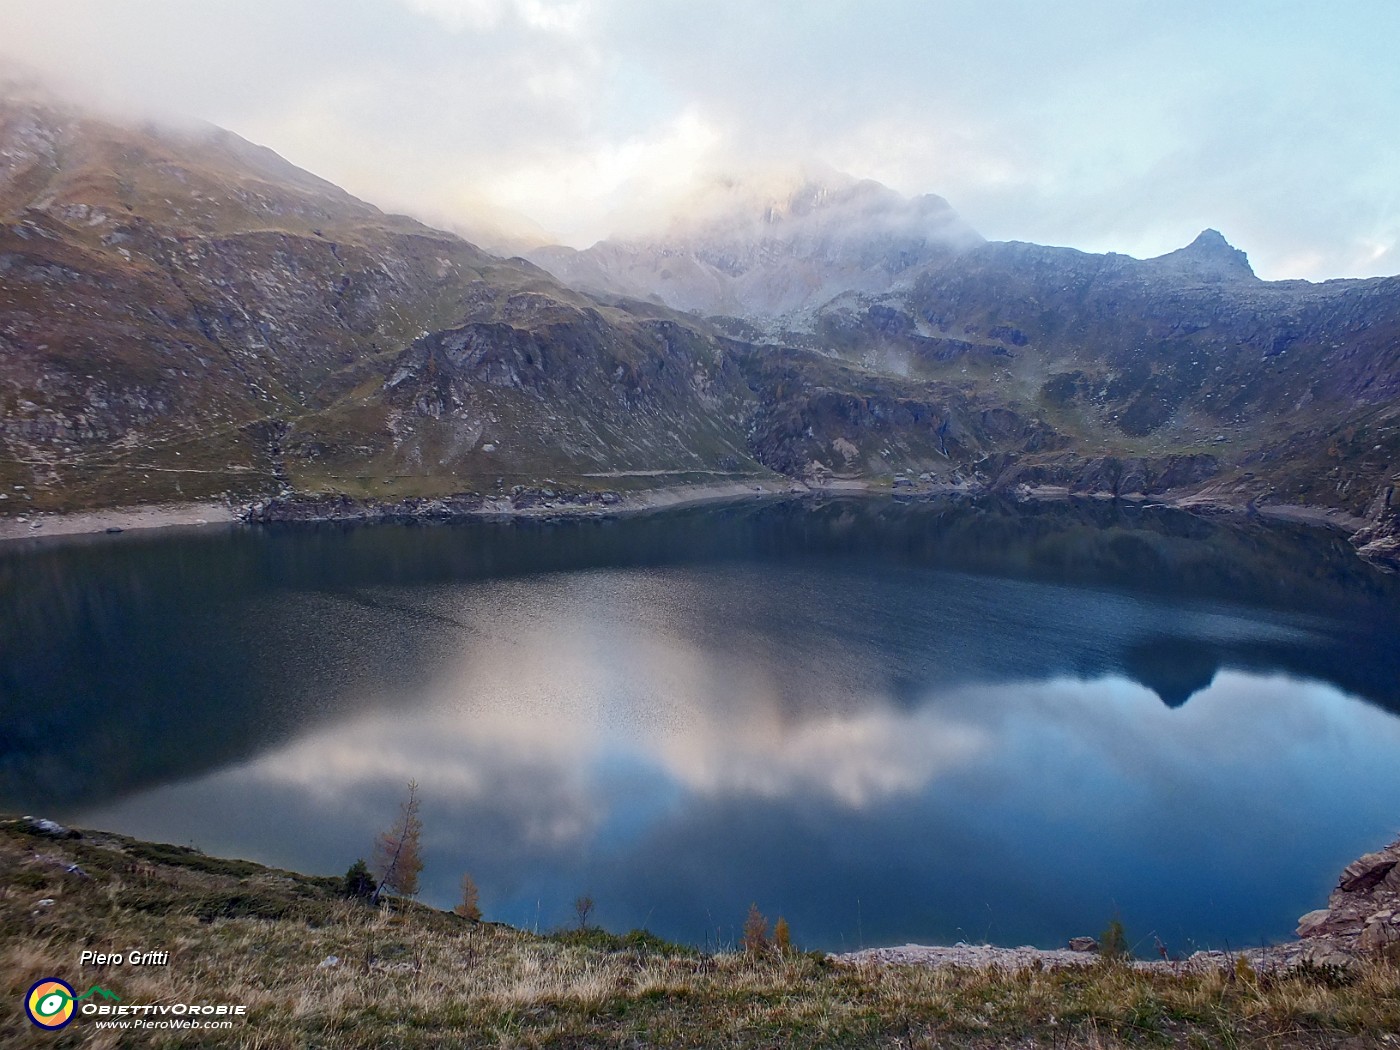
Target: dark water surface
x: 886, y: 722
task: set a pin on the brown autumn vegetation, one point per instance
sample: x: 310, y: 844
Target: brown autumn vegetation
x: 406, y: 975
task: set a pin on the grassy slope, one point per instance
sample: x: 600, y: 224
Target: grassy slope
x: 310, y: 408
x: 413, y: 976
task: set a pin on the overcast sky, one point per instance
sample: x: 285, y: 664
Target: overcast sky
x: 1108, y: 125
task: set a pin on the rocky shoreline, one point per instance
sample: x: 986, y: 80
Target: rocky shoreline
x: 521, y: 501
x: 1375, y: 536
x: 1361, y: 922
x: 534, y: 502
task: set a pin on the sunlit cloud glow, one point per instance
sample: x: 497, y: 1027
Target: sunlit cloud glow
x: 1103, y: 126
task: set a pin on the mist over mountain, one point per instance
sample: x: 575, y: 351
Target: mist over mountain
x: 767, y: 246
x: 185, y: 314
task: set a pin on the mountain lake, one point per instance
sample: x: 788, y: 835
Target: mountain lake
x: 886, y: 722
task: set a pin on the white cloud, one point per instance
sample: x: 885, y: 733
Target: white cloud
x: 560, y: 16
x: 459, y: 15
x: 595, y: 192
x: 1101, y: 125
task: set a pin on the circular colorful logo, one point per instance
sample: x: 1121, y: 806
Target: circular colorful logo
x: 49, y: 1003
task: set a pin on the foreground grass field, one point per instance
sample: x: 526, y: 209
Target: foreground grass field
x: 411, y: 976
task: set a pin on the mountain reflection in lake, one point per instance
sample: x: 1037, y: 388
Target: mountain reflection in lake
x: 887, y: 723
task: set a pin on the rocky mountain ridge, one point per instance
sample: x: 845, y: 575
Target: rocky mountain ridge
x: 185, y: 315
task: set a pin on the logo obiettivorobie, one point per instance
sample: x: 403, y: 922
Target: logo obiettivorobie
x: 50, y: 1003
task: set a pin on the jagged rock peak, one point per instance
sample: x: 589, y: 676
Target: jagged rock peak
x: 770, y: 244
x: 1210, y: 239
x: 811, y: 203
x: 1209, y: 256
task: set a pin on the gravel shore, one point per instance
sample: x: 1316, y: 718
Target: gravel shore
x: 29, y: 526
x: 986, y: 956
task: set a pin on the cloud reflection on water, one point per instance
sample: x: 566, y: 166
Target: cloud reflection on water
x: 680, y: 742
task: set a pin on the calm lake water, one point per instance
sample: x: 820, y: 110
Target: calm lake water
x: 885, y: 722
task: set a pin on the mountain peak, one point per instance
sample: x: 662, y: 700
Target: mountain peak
x: 772, y: 243
x: 808, y: 204
x: 1210, y: 257
x: 1211, y: 244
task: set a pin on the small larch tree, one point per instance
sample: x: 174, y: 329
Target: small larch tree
x: 782, y: 936
x: 755, y: 931
x: 470, y: 907
x: 398, y: 859
x: 1113, y: 942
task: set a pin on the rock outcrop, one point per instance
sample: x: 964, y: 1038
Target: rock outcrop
x: 1379, y: 538
x: 1362, y: 916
